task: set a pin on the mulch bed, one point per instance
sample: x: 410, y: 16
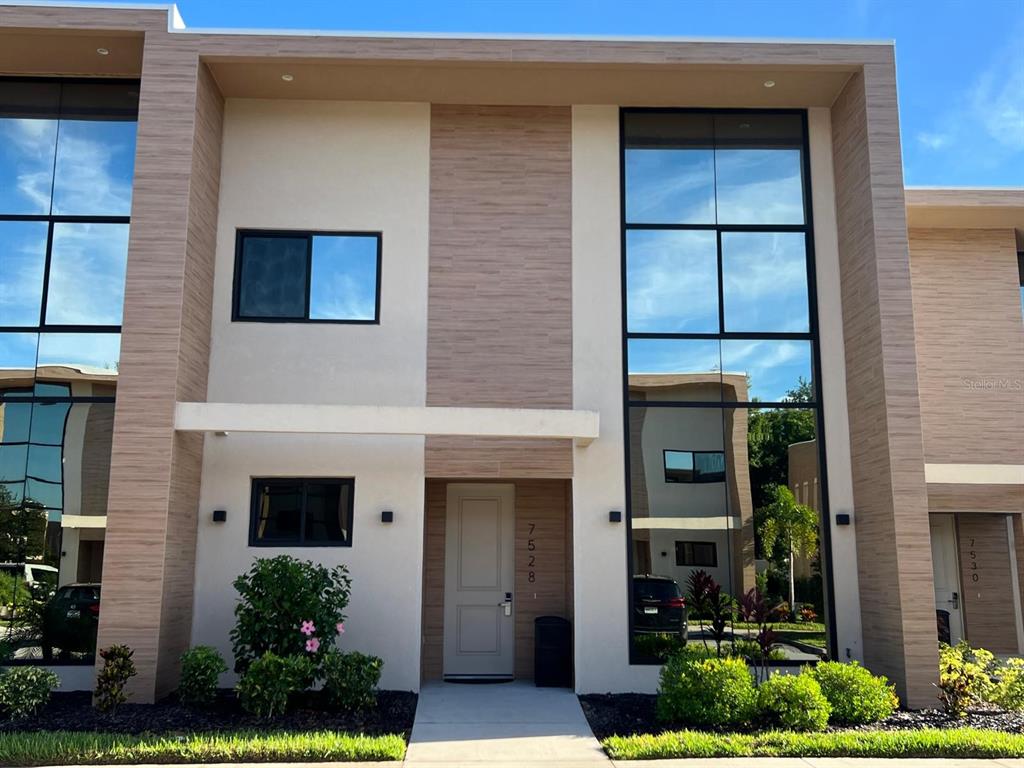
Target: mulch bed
x: 74, y: 712
x: 626, y: 714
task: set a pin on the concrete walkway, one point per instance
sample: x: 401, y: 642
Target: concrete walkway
x: 501, y: 724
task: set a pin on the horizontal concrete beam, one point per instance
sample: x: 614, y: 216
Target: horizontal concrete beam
x: 541, y: 423
x: 975, y: 474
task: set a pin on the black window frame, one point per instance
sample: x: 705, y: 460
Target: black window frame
x: 681, y: 554
x: 305, y: 482
x: 236, y: 282
x: 696, y: 478
x: 811, y: 335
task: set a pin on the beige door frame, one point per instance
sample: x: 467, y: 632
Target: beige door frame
x: 946, y: 572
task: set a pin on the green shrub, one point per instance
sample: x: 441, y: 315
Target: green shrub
x: 794, y: 702
x: 964, y: 677
x: 857, y: 697
x: 201, y: 668
x: 118, y: 667
x: 280, y: 596
x: 751, y: 651
x: 706, y: 692
x: 658, y: 646
x: 269, y: 682
x: 23, y: 690
x: 1009, y: 690
x: 350, y: 680
x: 13, y: 591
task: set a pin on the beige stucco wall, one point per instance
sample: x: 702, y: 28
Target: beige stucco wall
x: 324, y: 166
x: 833, y: 383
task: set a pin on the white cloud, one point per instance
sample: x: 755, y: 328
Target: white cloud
x: 933, y: 140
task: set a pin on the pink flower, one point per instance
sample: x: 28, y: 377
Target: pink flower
x: 312, y: 645
x: 307, y: 628
x: 340, y: 627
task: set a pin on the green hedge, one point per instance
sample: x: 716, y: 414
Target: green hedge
x: 925, y: 743
x: 83, y: 748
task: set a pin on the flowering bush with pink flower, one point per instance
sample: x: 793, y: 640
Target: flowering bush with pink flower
x: 288, y: 607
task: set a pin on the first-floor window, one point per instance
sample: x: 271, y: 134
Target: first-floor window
x: 703, y: 554
x: 303, y: 512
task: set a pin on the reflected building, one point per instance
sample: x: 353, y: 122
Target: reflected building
x: 66, y: 173
x: 697, y: 514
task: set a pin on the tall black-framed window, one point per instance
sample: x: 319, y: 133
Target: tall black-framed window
x: 720, y: 351
x: 284, y: 276
x: 301, y: 512
x: 67, y: 155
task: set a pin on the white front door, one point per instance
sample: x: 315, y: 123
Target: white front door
x: 478, y: 576
x: 946, y: 573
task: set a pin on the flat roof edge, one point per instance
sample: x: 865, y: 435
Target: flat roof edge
x: 176, y: 24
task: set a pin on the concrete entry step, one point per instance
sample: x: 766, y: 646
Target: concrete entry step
x: 515, y: 723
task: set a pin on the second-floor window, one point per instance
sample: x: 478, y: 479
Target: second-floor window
x: 312, y: 277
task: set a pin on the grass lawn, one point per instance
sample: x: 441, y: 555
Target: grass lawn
x: 84, y: 748
x: 817, y: 639
x: 786, y: 626
x: 925, y: 743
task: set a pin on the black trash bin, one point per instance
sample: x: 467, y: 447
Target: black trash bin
x: 552, y: 652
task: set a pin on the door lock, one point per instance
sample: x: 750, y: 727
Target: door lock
x: 507, y: 604
x: 955, y: 601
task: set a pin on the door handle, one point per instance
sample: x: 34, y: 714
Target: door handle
x: 955, y: 602
x: 507, y: 604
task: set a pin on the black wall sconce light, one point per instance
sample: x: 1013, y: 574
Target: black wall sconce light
x: 220, y: 515
x: 387, y: 516
x: 615, y: 516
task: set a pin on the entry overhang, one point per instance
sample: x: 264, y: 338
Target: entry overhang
x: 539, y: 423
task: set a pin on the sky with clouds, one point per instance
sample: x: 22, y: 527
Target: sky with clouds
x: 960, y: 62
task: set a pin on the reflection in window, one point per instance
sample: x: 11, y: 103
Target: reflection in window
x: 658, y: 303
x: 694, y: 467
x: 764, y: 282
x: 27, y: 147
x: 87, y: 265
x: 95, y: 162
x: 299, y: 512
x: 22, y: 262
x: 773, y: 370
x: 697, y: 554
x: 307, y: 277
x: 66, y: 148
x: 723, y: 471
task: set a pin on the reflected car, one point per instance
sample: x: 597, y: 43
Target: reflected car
x: 658, y: 606
x: 70, y: 621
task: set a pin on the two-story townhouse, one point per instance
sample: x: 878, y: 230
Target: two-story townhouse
x: 510, y: 327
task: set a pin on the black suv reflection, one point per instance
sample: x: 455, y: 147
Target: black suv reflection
x: 70, y: 621
x: 658, y: 606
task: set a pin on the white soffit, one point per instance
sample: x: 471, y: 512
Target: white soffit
x: 540, y: 423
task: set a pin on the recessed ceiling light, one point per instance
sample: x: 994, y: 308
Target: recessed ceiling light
x: 287, y: 78
x: 102, y: 51
x: 744, y: 125
x: 769, y: 83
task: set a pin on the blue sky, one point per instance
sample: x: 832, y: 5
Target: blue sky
x: 960, y: 62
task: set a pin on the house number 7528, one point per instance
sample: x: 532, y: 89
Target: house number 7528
x: 531, y: 546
